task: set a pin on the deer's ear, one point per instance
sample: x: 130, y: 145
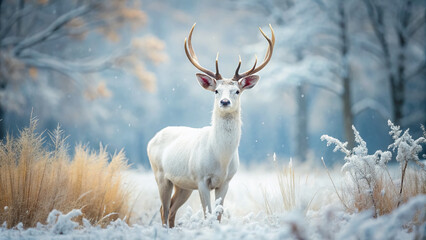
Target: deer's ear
x: 248, y: 82
x: 206, y: 82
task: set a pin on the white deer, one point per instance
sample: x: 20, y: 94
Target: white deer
x: 203, y: 158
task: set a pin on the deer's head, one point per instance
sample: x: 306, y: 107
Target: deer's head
x: 228, y: 90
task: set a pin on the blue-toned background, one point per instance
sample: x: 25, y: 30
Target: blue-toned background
x: 115, y: 71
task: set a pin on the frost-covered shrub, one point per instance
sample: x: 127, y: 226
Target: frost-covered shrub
x: 408, y: 150
x: 365, y: 170
x: 371, y: 185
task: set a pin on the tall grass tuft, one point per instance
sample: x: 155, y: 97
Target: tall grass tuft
x: 287, y: 185
x: 35, y: 179
x: 288, y: 198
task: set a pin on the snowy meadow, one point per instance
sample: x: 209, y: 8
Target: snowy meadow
x: 363, y: 199
x: 330, y: 132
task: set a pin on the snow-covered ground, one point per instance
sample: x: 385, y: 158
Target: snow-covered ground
x: 318, y: 213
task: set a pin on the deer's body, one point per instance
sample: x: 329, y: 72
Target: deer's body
x: 189, y: 156
x: 206, y: 158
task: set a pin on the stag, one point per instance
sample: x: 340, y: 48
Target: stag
x: 206, y: 159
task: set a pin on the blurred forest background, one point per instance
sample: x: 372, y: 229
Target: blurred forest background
x: 115, y: 71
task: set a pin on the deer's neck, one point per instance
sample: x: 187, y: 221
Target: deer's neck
x: 226, y: 133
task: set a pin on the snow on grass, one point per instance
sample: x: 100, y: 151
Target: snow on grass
x: 245, y: 215
x: 62, y: 223
x: 273, y: 201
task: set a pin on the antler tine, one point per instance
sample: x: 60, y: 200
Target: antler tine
x: 218, y: 76
x: 191, y: 50
x: 193, y: 58
x: 239, y: 65
x: 254, y: 65
x: 269, y: 41
x: 237, y: 76
x: 268, y: 56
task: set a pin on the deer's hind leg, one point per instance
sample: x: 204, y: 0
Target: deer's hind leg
x: 165, y: 188
x: 179, y: 198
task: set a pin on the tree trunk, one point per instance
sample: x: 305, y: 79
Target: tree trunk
x: 2, y: 126
x: 2, y: 88
x: 2, y: 113
x: 346, y: 78
x: 19, y: 22
x: 376, y: 15
x: 347, y: 113
x: 397, y: 107
x: 302, y: 124
x: 399, y: 95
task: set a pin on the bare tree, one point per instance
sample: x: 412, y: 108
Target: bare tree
x: 290, y: 54
x: 319, y: 30
x: 335, y: 47
x: 34, y: 36
x: 398, y: 27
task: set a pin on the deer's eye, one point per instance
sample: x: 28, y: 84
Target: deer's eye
x: 216, y: 92
x: 237, y: 92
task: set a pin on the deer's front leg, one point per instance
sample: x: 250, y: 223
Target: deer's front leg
x: 220, y: 193
x: 204, y: 191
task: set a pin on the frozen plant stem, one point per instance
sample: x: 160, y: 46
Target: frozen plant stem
x: 371, y: 191
x: 402, y: 183
x: 335, y: 189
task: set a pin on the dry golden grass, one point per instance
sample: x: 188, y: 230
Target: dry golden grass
x: 385, y: 195
x: 288, y: 184
x: 35, y: 180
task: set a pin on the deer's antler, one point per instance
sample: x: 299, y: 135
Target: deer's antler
x: 268, y: 56
x: 194, y: 60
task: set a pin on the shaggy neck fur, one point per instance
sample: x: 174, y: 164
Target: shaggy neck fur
x: 226, y: 133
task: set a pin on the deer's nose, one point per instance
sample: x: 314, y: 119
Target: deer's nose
x: 225, y: 102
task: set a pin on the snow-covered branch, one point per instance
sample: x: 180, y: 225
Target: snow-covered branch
x: 415, y: 25
x: 375, y: 14
x: 421, y: 69
x: 52, y: 28
x: 329, y: 10
x: 369, y: 47
x: 270, y: 8
x: 313, y: 71
x: 329, y: 86
x: 342, y: 146
x: 414, y: 118
x: 369, y: 103
x: 327, y: 54
x: 41, y: 60
x: 13, y: 19
x: 332, y: 43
